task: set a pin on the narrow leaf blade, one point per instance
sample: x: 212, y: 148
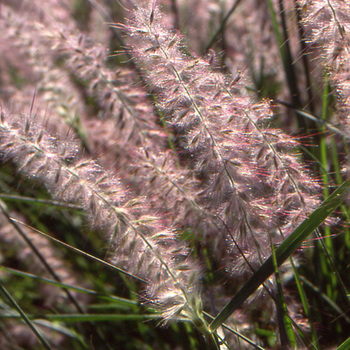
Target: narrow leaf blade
x: 282, y: 253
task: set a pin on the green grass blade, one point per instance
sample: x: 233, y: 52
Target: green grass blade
x: 80, y: 251
x: 111, y: 298
x: 74, y: 318
x: 326, y: 244
x: 326, y: 299
x: 25, y: 318
x: 305, y: 304
x: 282, y: 253
x: 222, y: 25
x: 18, y: 198
x: 286, y: 329
x: 59, y: 328
x: 239, y: 335
x: 305, y: 114
x: 345, y: 345
x: 276, y: 28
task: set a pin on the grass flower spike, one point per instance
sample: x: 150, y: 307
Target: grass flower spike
x: 251, y: 176
x: 139, y: 242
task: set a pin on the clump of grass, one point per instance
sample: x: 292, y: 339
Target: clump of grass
x: 166, y: 187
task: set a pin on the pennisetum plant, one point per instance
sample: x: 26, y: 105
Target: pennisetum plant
x: 199, y: 196
x: 327, y: 26
x: 251, y: 174
x: 139, y: 241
